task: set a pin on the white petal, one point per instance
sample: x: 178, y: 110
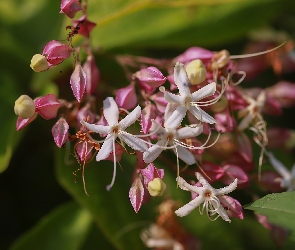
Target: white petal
x: 157, y: 127
x: 181, y: 79
x: 231, y: 187
x: 245, y: 122
x: 206, y: 91
x: 171, y: 98
x: 279, y: 167
x: 111, y: 111
x: 133, y: 142
x: 185, y: 155
x: 153, y: 152
x: 187, y: 187
x: 170, y: 108
x: 202, y: 180
x: 202, y: 115
x: 189, y: 132
x: 176, y: 118
x: 189, y: 207
x: 293, y: 172
x: 130, y: 118
x: 97, y: 128
x: 223, y: 214
x: 106, y: 148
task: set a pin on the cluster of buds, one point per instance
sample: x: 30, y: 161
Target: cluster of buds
x: 201, y: 114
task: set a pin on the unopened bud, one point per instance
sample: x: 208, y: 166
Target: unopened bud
x: 196, y: 72
x: 156, y: 187
x: 220, y: 59
x: 220, y: 105
x: 39, y: 63
x: 24, y: 107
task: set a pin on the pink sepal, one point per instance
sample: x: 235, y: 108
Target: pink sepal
x: 225, y: 122
x: 194, y: 53
x: 270, y: 181
x: 146, y: 117
x: 92, y: 75
x: 21, y: 123
x: 78, y: 82
x: 231, y: 172
x: 126, y: 97
x: 85, y: 26
x: 56, y: 52
x: 244, y: 146
x: 60, y: 132
x: 136, y: 194
x: 151, y: 172
x: 70, y: 7
x: 160, y: 101
x: 213, y: 172
x: 119, y: 151
x: 47, y: 106
x: 284, y: 93
x: 83, y: 150
x: 233, y: 207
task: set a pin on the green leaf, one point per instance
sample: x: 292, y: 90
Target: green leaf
x: 112, y: 211
x: 176, y: 23
x: 64, y: 228
x: 279, y: 209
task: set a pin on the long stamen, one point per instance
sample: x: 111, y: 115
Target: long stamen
x: 115, y: 168
x: 255, y: 54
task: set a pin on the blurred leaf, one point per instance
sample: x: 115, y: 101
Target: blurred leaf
x: 9, y: 135
x: 279, y: 209
x: 65, y: 228
x: 111, y: 210
x: 177, y: 23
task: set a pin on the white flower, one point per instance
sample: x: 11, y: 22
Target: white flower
x: 186, y: 100
x: 252, y: 111
x: 170, y: 137
x: 114, y: 130
x: 207, y: 195
x: 288, y: 177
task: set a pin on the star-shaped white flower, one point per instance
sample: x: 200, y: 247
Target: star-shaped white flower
x: 207, y: 195
x: 252, y: 111
x: 186, y: 100
x: 288, y: 177
x: 171, y: 137
x: 116, y: 129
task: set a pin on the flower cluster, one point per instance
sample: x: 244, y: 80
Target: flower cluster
x: 191, y: 105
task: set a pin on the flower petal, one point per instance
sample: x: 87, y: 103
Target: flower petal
x: 171, y: 98
x: 201, y: 115
x: 189, y: 207
x: 231, y: 187
x: 97, y: 128
x: 111, y: 111
x: 130, y: 118
x: 206, y: 91
x: 106, y: 148
x: 279, y: 167
x: 134, y: 142
x: 176, y: 117
x: 185, y: 155
x: 181, y: 79
x: 188, y: 132
x: 153, y: 152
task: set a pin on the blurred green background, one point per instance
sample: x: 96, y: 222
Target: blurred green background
x: 37, y: 189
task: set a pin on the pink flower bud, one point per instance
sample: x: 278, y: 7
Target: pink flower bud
x: 136, y: 194
x: 92, y: 75
x: 47, y: 106
x: 151, y: 76
x: 231, y: 172
x: 284, y: 93
x: 233, y: 207
x: 84, y: 113
x: 126, y: 97
x: 78, y: 82
x: 70, y: 7
x: 160, y: 101
x: 85, y: 26
x: 60, y: 132
x: 194, y: 53
x: 56, y: 52
x: 284, y: 134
